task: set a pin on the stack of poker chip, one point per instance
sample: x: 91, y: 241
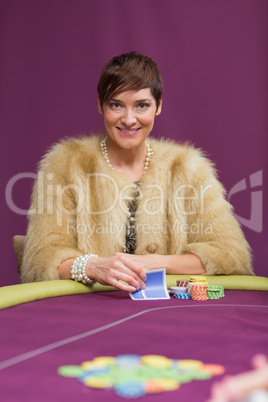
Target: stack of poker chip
x: 182, y: 295
x: 197, y: 288
x: 182, y: 283
x: 198, y: 279
x: 180, y: 291
x: 199, y: 291
x: 215, y: 292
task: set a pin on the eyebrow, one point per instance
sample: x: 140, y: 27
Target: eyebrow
x: 144, y: 100
x: 137, y: 101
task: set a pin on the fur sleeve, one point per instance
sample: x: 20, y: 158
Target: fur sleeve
x: 214, y: 234
x: 48, y: 240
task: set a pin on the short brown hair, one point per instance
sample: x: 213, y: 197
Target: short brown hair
x: 130, y: 72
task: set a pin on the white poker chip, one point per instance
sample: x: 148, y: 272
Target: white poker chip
x: 178, y: 289
x: 128, y: 361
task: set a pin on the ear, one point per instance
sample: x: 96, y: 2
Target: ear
x: 99, y: 107
x: 159, y: 107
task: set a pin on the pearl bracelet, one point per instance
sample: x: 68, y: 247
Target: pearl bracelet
x: 78, y: 269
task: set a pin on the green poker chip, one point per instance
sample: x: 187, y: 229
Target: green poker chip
x: 213, y: 295
x: 71, y: 371
x: 202, y: 375
x: 214, y: 288
x: 215, y: 292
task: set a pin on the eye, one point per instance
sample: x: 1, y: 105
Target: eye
x: 115, y: 105
x: 143, y: 106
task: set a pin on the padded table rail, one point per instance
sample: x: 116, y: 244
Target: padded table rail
x: 23, y: 293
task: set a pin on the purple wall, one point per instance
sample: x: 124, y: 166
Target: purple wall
x: 213, y: 58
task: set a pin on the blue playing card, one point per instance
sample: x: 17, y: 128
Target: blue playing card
x: 156, y: 287
x: 137, y: 295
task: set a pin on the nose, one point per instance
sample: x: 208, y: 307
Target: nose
x: 129, y: 117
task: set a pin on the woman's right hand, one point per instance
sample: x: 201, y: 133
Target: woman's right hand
x: 113, y: 270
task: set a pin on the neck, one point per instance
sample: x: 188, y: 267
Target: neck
x: 131, y: 162
x: 121, y: 156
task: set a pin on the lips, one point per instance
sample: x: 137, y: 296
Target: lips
x: 128, y: 131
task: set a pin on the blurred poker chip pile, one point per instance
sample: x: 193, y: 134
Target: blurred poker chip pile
x: 132, y: 376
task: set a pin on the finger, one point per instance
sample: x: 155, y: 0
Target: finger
x: 119, y: 285
x: 117, y: 272
x: 122, y: 266
x: 110, y: 270
x: 259, y: 361
x: 129, y: 278
x: 123, y: 286
x: 134, y: 265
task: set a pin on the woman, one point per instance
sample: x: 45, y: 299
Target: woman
x: 108, y: 208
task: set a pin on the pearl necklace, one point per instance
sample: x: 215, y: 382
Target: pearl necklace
x: 130, y: 225
x: 148, y: 158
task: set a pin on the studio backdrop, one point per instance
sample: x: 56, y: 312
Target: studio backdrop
x: 213, y: 58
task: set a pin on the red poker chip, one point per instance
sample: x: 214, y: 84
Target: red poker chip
x: 182, y: 283
x: 198, y: 292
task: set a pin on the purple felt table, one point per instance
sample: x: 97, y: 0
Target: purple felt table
x: 38, y: 337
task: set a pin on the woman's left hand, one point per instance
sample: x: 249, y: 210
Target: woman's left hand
x: 174, y: 264
x: 146, y: 262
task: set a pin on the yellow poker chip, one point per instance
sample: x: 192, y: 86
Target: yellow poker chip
x: 98, y: 382
x: 104, y: 360
x: 156, y: 361
x: 169, y: 384
x: 161, y: 385
x: 90, y: 365
x: 198, y: 279
x: 190, y: 364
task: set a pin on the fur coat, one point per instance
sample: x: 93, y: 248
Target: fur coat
x: 79, y: 205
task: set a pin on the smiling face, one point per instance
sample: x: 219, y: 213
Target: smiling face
x: 129, y: 117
